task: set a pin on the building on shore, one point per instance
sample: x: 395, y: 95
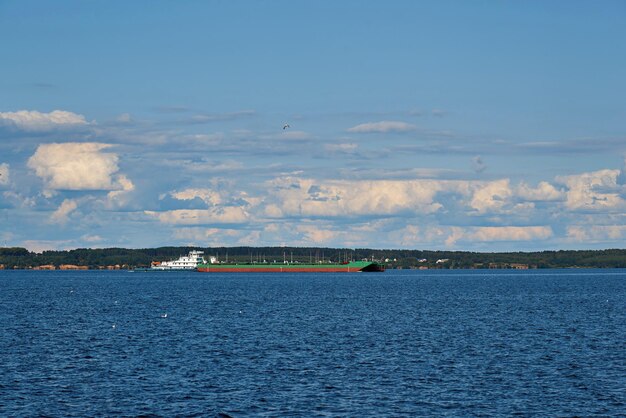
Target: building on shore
x: 45, y: 267
x: 72, y: 267
x: 519, y: 266
x: 514, y: 266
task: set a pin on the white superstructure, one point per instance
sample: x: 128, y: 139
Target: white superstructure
x: 188, y: 262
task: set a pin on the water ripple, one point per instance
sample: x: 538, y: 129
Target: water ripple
x: 541, y: 343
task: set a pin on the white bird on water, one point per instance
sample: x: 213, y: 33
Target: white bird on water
x: 164, y: 315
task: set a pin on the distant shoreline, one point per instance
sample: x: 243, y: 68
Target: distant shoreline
x: 125, y: 259
x: 38, y: 270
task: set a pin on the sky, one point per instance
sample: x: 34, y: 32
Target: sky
x: 434, y: 125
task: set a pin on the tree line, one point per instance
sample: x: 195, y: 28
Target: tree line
x: 21, y: 258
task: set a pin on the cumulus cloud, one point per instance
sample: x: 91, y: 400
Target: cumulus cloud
x: 220, y: 195
x: 76, y: 166
x: 61, y: 215
x: 292, y: 196
x: 492, y: 197
x: 543, y: 192
x: 305, y: 197
x: 4, y: 174
x: 208, y: 196
x: 32, y: 120
x: 120, y: 197
x: 596, y: 190
x: 382, y: 127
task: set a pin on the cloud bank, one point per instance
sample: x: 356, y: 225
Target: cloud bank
x: 382, y: 127
x: 33, y: 121
x: 253, y: 191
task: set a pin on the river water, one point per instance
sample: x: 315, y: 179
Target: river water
x: 398, y: 343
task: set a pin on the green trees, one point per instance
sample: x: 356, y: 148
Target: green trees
x: 16, y: 257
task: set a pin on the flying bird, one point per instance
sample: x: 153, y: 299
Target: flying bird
x: 286, y: 125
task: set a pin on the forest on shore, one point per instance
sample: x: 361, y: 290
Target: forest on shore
x: 124, y: 258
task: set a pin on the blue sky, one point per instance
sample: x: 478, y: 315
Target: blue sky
x: 482, y: 126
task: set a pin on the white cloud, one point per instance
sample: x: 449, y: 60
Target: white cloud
x: 221, y: 196
x: 511, y: 233
x: 418, y: 234
x: 544, y: 192
x: 382, y: 127
x: 32, y: 120
x: 4, y: 174
x: 92, y: 239
x: 596, y: 190
x: 20, y: 200
x: 209, y: 166
x: 291, y: 196
x: 492, y: 197
x: 223, y: 215
x: 76, y: 166
x: 498, y: 233
x: 210, y: 197
x: 596, y: 233
x: 61, y: 215
x: 120, y: 198
x: 317, y: 235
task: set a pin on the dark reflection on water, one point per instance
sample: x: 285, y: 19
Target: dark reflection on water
x: 394, y: 344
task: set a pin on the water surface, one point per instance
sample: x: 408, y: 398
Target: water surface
x: 399, y: 343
